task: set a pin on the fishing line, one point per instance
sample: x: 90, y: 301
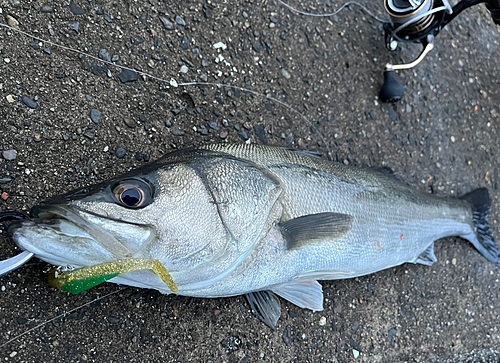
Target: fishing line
x: 364, y: 8
x: 174, y: 84
x: 60, y: 316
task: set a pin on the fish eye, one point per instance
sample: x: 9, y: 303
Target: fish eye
x: 132, y: 194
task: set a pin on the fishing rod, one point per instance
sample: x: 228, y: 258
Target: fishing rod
x: 419, y: 21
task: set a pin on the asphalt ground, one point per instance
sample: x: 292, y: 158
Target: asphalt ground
x: 441, y: 138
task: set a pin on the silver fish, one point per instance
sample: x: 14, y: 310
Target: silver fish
x: 226, y: 220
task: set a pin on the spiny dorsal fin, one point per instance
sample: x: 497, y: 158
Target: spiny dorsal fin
x: 386, y: 171
x: 266, y: 306
x: 315, y: 228
x: 305, y: 152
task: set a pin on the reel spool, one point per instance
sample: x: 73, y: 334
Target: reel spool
x: 402, y: 11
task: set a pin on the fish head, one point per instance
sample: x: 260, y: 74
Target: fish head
x: 191, y: 213
x: 93, y: 224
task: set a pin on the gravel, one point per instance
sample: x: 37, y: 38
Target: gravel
x: 177, y: 131
x: 104, y: 55
x: 75, y: 9
x: 120, y: 153
x: 167, y: 24
x: 180, y: 21
x: 9, y: 154
x: 95, y: 115
x: 47, y: 9
x: 127, y: 75
x: 29, y: 102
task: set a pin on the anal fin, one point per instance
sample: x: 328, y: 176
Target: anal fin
x: 427, y: 257
x: 306, y: 294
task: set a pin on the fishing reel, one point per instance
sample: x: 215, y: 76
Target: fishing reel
x: 419, y: 21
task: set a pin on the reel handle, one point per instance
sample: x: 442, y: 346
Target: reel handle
x: 494, y: 7
x: 392, y: 91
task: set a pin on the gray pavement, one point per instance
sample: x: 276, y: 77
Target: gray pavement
x: 442, y: 138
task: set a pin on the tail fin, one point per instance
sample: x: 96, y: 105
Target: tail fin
x: 480, y: 202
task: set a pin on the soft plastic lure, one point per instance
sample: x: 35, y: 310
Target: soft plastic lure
x: 82, y: 279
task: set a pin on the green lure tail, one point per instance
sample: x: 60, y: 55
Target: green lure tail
x: 82, y: 279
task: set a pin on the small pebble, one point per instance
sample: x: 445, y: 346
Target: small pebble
x: 167, y: 24
x: 355, y: 353
x: 180, y: 21
x: 12, y: 21
x: 47, y: 9
x: 75, y: 26
x: 322, y: 321
x: 220, y: 45
x: 89, y: 134
x: 95, y: 115
x: 9, y: 154
x: 453, y: 139
x: 177, y: 131
x: 104, y: 55
x: 392, y: 333
x: 454, y: 261
x: 285, y: 73
x: 75, y: 9
x: 5, y: 180
x: 10, y: 99
x: 120, y: 153
x: 127, y: 76
x: 185, y: 43
x: 184, y: 69
x: 5, y: 195
x: 393, y: 116
x: 29, y: 102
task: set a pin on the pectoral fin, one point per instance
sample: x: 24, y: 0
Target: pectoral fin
x: 427, y: 257
x: 266, y: 306
x: 315, y: 228
x: 306, y: 294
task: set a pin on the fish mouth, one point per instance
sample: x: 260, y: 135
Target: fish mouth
x: 63, y: 234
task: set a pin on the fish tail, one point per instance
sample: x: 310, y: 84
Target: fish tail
x: 480, y: 202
